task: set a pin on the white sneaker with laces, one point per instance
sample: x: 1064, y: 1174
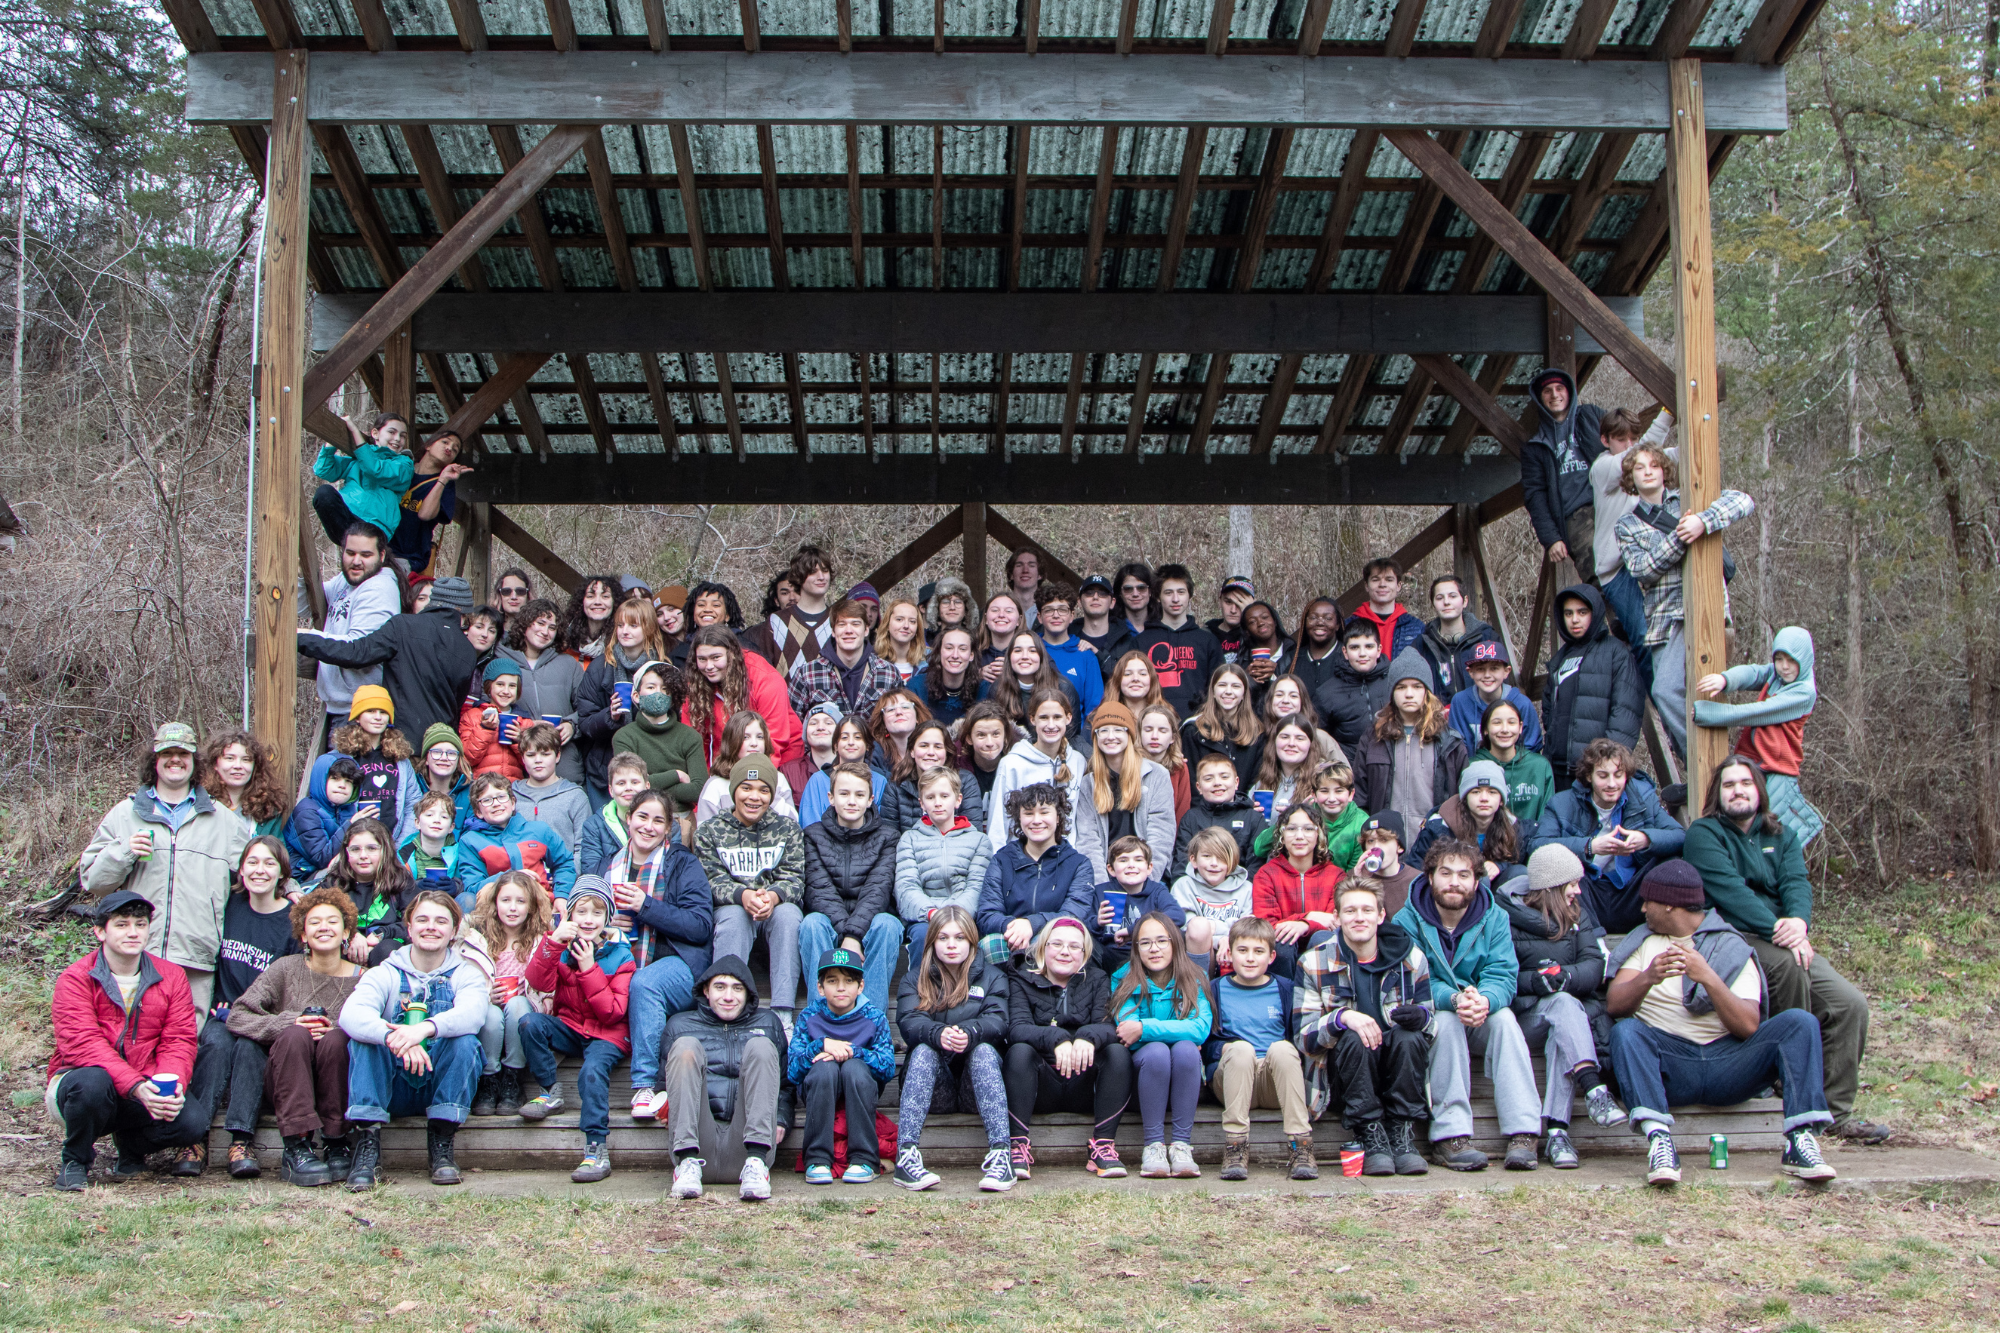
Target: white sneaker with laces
x: 1663, y: 1160
x: 754, y: 1181
x: 1180, y: 1158
x: 687, y: 1178
x: 1153, y: 1162
x: 642, y: 1103
x: 996, y: 1173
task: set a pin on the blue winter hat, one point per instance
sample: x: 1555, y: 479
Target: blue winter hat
x: 501, y: 666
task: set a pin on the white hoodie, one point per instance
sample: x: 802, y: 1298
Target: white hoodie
x: 1024, y: 766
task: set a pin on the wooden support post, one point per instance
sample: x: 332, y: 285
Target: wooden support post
x: 975, y: 551
x: 1562, y: 338
x: 309, y: 575
x: 1464, y: 558
x: 281, y: 399
x: 1524, y: 670
x: 399, y: 374
x: 1496, y: 610
x: 1696, y: 406
x: 475, y: 552
x: 933, y: 539
x: 550, y: 565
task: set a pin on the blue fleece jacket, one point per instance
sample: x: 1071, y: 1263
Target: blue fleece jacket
x: 313, y: 830
x: 1079, y: 665
x: 865, y: 1026
x: 1018, y: 885
x: 1467, y: 708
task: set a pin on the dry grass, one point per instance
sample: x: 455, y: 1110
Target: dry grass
x: 1706, y: 1258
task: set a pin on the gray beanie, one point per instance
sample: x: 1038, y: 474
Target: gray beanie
x: 453, y: 593
x: 1551, y: 866
x: 1482, y: 773
x: 594, y: 886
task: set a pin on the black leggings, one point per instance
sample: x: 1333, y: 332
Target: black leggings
x: 1103, y: 1090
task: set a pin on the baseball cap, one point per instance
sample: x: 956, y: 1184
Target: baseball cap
x: 847, y: 960
x: 1238, y: 583
x: 1097, y: 581
x: 122, y: 903
x: 1489, y: 651
x: 175, y: 736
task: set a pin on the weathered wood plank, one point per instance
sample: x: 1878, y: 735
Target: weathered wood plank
x: 965, y: 321
x: 984, y: 88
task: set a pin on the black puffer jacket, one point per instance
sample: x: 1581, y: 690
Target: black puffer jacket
x: 1447, y: 657
x: 850, y: 873
x: 426, y: 661
x: 1044, y: 1015
x: 983, y: 1012
x: 1244, y: 758
x: 1348, y: 700
x: 901, y: 808
x: 1593, y: 687
x: 1238, y: 815
x: 595, y: 724
x: 1580, y: 953
x: 724, y: 1042
x: 1375, y: 779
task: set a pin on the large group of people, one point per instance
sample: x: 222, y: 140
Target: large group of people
x: 1064, y: 850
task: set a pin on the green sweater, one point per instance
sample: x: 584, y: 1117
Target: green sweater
x: 1343, y: 838
x: 666, y: 749
x: 1530, y: 783
x: 1752, y: 878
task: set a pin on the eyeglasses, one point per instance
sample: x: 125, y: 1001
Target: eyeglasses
x: 1135, y: 587
x: 513, y: 592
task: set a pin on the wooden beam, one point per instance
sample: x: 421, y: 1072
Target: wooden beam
x: 1100, y: 208
x: 1527, y: 250
x: 1464, y: 564
x: 309, y: 576
x: 1185, y: 188
x: 475, y: 550
x: 912, y: 557
x: 1211, y: 398
x: 399, y: 374
x: 1407, y: 555
x: 1016, y: 540
x: 1696, y: 408
x: 1525, y: 670
x: 1221, y: 13
x: 511, y: 534
x: 1496, y: 606
x: 513, y: 374
x: 770, y: 478
x: 970, y: 321
x: 973, y: 539
x: 1142, y: 397
x: 1561, y: 354
x: 1275, y: 402
x: 416, y: 286
x: 598, y: 162
x: 1492, y: 377
x: 1017, y: 206
x: 984, y: 88
x: 282, y: 392
x: 1475, y: 399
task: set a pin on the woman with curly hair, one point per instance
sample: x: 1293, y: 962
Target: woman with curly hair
x: 238, y: 771
x: 723, y: 679
x: 585, y: 628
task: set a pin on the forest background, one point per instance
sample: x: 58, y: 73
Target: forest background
x: 1857, y: 275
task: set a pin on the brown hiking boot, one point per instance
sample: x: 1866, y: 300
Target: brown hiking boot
x: 1236, y: 1157
x: 1303, y: 1164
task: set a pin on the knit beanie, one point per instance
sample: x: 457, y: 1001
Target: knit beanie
x: 674, y: 595
x: 371, y: 696
x: 593, y: 886
x: 455, y: 593
x: 1114, y: 714
x: 1483, y: 773
x: 442, y: 733
x: 754, y: 768
x: 501, y: 666
x: 1675, y: 883
x: 1410, y: 665
x: 864, y: 591
x: 1551, y: 866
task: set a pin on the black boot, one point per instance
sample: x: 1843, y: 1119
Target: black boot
x: 339, y: 1154
x: 485, y: 1098
x: 300, y: 1165
x: 1378, y: 1158
x: 508, y: 1097
x: 367, y: 1141
x: 1403, y: 1146
x: 444, y: 1168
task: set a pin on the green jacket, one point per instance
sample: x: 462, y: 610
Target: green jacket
x: 1530, y: 783
x: 186, y: 878
x: 1343, y: 839
x: 665, y: 749
x: 1752, y: 878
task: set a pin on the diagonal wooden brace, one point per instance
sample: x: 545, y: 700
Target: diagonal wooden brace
x: 1473, y: 397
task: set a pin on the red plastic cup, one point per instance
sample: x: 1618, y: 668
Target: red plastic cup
x: 1350, y: 1161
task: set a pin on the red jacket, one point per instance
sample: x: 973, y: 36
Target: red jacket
x: 1280, y: 893
x: 771, y: 700
x: 94, y: 1029
x: 483, y: 749
x: 589, y: 1001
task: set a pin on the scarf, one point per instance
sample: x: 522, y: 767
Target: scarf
x: 647, y: 876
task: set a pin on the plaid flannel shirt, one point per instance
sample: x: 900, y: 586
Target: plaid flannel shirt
x: 1654, y: 557
x: 1325, y: 990
x: 818, y: 681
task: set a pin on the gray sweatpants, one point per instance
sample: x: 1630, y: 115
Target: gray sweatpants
x: 1670, y: 688
x: 1499, y: 1039
x: 736, y: 931
x: 691, y: 1125
x: 1568, y: 1043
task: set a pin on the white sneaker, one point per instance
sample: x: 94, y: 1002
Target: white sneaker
x: 1663, y: 1162
x: 687, y: 1178
x: 1153, y: 1162
x: 754, y: 1182
x: 1181, y: 1158
x: 996, y: 1173
x: 642, y: 1103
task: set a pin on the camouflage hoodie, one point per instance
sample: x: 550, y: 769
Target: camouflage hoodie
x: 736, y: 857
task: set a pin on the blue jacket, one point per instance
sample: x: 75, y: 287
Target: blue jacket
x: 1570, y: 820
x: 486, y: 852
x: 1222, y: 1035
x: 1152, y: 896
x: 951, y: 707
x: 1482, y: 952
x: 1079, y: 666
x: 1018, y: 886
x: 372, y: 480
x: 679, y: 911
x: 1153, y: 1006
x: 878, y: 1052
x: 1466, y: 710
x: 818, y: 795
x: 315, y: 824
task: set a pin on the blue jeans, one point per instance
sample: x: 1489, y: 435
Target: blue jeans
x: 878, y: 951
x: 544, y: 1037
x: 1628, y: 602
x: 659, y: 990
x: 500, y: 1035
x: 378, y: 1088
x: 1657, y: 1070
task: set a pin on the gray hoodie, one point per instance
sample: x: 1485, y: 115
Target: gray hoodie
x: 456, y: 994
x: 548, y: 689
x: 561, y: 805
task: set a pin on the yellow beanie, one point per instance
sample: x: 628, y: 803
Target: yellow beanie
x: 371, y: 696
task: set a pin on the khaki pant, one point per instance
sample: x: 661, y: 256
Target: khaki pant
x: 1275, y: 1082
x: 1838, y: 1004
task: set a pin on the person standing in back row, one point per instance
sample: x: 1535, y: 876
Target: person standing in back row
x: 1555, y: 471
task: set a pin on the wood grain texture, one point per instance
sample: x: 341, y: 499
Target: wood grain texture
x: 282, y: 392
x: 475, y: 550
x: 926, y: 544
x: 984, y: 88
x: 1697, y: 410
x: 511, y: 534
x: 1474, y: 398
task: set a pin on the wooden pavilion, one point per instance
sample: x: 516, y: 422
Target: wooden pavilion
x: 976, y: 251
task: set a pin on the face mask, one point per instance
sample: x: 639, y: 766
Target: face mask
x: 658, y: 704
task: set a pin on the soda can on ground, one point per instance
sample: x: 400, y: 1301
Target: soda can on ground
x: 1718, y: 1152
